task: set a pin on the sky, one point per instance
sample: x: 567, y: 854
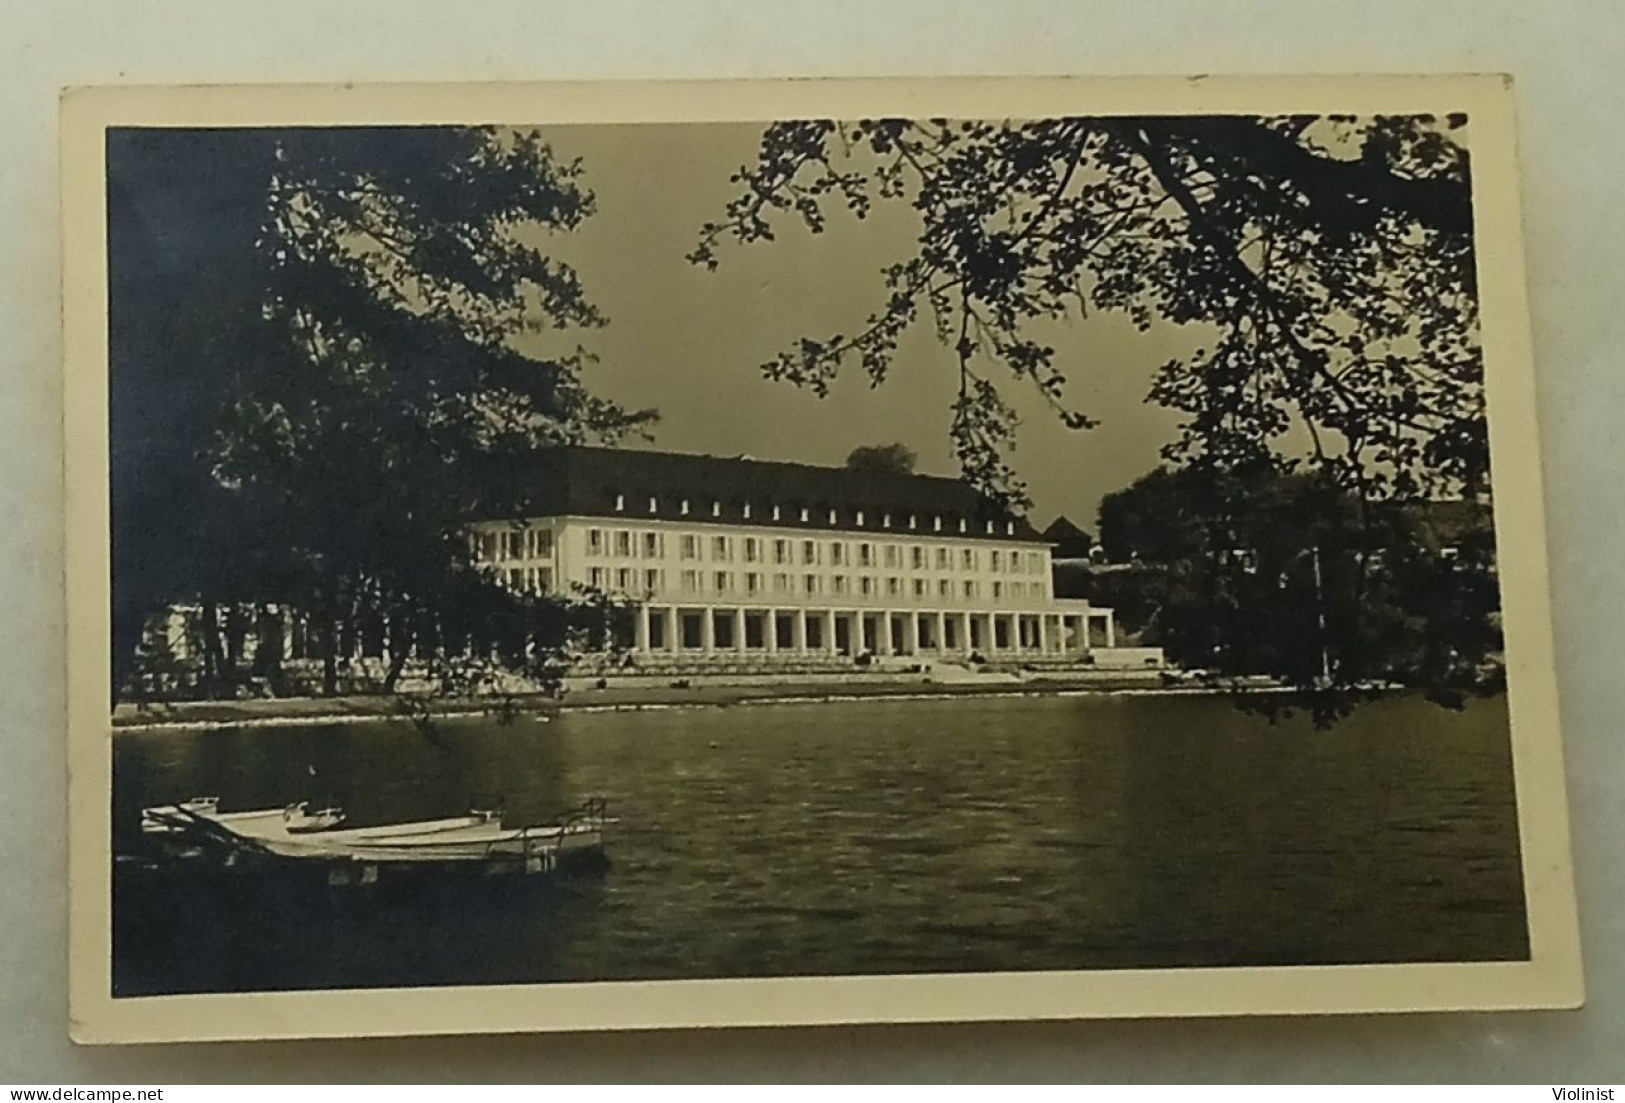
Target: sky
x: 689, y: 342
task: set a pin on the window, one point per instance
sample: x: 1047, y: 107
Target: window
x: 811, y: 583
x: 544, y: 580
x: 781, y: 583
x: 654, y: 547
x: 485, y: 545
x: 690, y: 581
x: 745, y: 509
x: 716, y: 509
x: 620, y: 503
x: 623, y: 543
x: 682, y: 507
x: 775, y: 513
x: 858, y: 517
x: 1035, y: 562
x: 720, y: 550
x: 691, y: 546
x: 753, y: 582
x: 654, y: 580
x: 541, y: 543
x: 866, y: 555
x: 809, y: 551
x: 805, y: 515
x: 724, y: 582
x: 967, y: 559
x: 961, y: 524
x: 996, y: 559
x: 623, y: 579
x: 894, y: 586
x: 1009, y: 528
x: 942, y: 559
x: 867, y: 585
x: 516, y: 579
x: 936, y: 523
x: 1038, y: 589
x: 1014, y: 559
x: 831, y: 516
x: 839, y: 583
x: 990, y: 528
x: 998, y: 590
x: 944, y: 587
x: 516, y: 544
x: 781, y: 551
x: 753, y: 549
x: 654, y: 505
x: 919, y: 587
x: 595, y: 578
x: 837, y: 553
x: 913, y: 521
x: 970, y: 587
x: 885, y: 521
x: 890, y: 553
x: 595, y: 541
x: 917, y: 558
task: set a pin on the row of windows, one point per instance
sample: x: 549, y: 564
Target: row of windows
x: 811, y: 553
x: 498, y: 547
x: 805, y: 514
x: 628, y: 579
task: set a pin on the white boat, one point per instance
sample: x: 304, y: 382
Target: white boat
x: 296, y: 833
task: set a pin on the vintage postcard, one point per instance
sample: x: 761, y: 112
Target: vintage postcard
x: 567, y: 557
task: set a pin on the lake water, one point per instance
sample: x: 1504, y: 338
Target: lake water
x: 870, y: 837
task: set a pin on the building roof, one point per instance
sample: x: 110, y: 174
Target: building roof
x: 1069, y: 540
x: 584, y: 481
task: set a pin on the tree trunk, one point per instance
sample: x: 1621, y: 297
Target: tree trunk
x: 214, y: 660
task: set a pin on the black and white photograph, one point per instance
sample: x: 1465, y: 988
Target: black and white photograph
x: 968, y: 536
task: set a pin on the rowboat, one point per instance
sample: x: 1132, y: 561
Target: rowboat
x: 197, y: 828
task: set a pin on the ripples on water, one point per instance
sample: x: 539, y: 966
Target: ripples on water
x: 871, y: 837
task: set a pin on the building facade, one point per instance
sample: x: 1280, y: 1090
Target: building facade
x: 723, y: 555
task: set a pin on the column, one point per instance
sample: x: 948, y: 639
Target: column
x: 674, y: 629
x: 990, y: 635
x: 966, y: 644
x: 708, y: 629
x: 942, y: 632
x: 1015, y: 632
x: 1111, y: 629
x: 1043, y: 632
x: 859, y: 632
x: 1082, y: 620
x: 829, y: 630
x: 885, y: 641
x: 798, y: 630
x: 739, y: 629
x: 640, y: 637
x: 770, y: 630
x: 911, y: 632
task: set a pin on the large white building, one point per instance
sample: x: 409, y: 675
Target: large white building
x: 737, y: 555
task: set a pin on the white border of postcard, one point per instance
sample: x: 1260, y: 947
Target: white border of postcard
x: 1551, y: 978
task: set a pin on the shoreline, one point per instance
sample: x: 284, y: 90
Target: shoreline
x: 304, y: 711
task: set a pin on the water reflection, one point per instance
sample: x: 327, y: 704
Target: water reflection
x: 864, y: 837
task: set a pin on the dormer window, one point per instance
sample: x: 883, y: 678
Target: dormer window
x: 682, y: 507
x: 859, y: 518
x: 961, y: 524
x: 990, y: 528
x: 654, y: 505
x: 620, y: 503
x: 775, y: 513
x: 1009, y: 528
x: 936, y: 523
x: 885, y: 520
x: 831, y: 516
x: 913, y: 522
x: 747, y: 511
x: 716, y: 509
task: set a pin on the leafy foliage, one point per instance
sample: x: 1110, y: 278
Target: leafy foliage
x: 882, y: 459
x: 347, y: 376
x: 1331, y: 257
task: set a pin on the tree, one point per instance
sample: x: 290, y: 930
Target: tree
x: 1331, y: 258
x: 1328, y: 261
x: 882, y: 459
x: 341, y: 371
x: 1252, y: 572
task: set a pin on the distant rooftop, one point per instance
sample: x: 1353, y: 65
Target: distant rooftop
x: 671, y: 486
